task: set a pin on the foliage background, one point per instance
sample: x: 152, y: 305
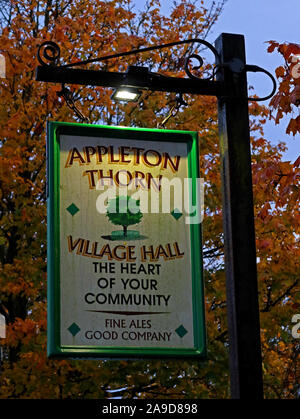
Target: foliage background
x: 85, y: 30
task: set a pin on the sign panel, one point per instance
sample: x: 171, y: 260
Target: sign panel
x: 124, y: 243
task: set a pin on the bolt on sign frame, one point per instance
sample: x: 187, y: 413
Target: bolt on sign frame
x: 138, y: 295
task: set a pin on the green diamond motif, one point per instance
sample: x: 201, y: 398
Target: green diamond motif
x: 72, y: 209
x: 176, y: 214
x: 74, y: 329
x: 181, y: 331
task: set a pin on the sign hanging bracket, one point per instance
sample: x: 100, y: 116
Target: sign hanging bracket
x: 140, y: 77
x: 67, y: 95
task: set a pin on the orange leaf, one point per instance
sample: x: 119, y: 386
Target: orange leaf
x: 280, y: 71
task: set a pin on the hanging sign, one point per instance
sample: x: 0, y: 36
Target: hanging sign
x: 124, y: 243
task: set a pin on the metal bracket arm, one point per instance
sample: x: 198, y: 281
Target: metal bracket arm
x: 140, y: 77
x: 152, y: 81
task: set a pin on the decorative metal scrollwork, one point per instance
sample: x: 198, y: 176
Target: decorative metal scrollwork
x: 156, y: 47
x: 48, y: 51
x: 257, y: 69
x: 49, y: 54
x: 186, y: 65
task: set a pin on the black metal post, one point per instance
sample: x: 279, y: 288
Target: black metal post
x: 238, y: 220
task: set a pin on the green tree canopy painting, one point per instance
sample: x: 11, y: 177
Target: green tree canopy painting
x: 124, y: 211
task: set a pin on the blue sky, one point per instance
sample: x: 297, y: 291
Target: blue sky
x: 260, y: 21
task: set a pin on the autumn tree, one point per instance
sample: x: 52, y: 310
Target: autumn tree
x: 287, y: 99
x: 85, y: 30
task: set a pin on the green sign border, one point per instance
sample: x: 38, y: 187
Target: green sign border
x: 54, y: 347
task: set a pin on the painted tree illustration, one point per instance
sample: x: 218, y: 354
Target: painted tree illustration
x: 124, y: 211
